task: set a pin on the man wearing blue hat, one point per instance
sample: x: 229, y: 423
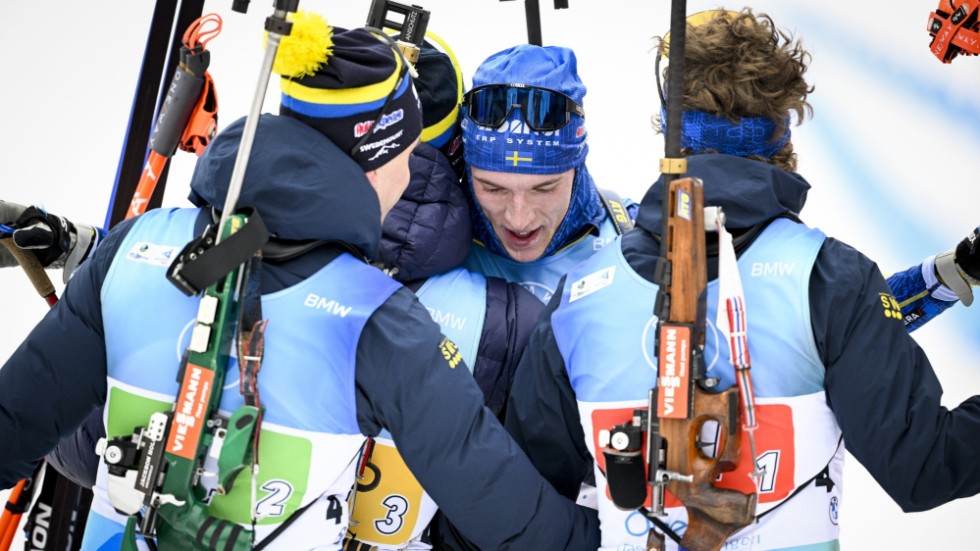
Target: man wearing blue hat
x: 536, y: 211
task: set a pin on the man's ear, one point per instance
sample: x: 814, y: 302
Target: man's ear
x: 372, y: 178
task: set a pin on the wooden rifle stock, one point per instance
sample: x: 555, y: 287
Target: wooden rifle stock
x: 684, y: 407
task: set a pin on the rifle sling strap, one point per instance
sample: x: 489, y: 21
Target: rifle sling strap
x: 822, y: 478
x: 616, y: 210
x: 251, y: 333
x: 282, y: 527
x: 202, y: 263
x: 298, y: 513
x: 661, y: 525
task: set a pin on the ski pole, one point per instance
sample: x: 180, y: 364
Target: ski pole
x: 160, y: 58
x: 188, y: 117
x: 35, y: 272
x: 19, y: 500
x: 11, y: 514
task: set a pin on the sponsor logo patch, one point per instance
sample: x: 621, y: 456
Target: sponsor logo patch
x: 914, y: 316
x: 195, y: 391
x: 387, y: 120
x: 592, y: 283
x: 890, y: 307
x: 674, y: 374
x: 450, y: 352
x: 153, y: 254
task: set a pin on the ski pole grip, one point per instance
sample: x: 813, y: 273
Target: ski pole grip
x: 35, y: 272
x: 182, y: 95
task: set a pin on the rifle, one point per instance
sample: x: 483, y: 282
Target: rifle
x: 411, y: 28
x: 157, y: 470
x: 532, y: 13
x: 682, y: 404
x: 683, y: 401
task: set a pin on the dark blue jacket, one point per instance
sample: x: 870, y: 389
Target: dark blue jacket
x: 879, y: 383
x: 428, y: 233
x: 307, y: 189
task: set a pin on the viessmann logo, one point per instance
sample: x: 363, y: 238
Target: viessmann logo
x: 674, y: 371
x: 189, y: 417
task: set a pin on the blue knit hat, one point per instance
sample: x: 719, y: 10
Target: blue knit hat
x: 514, y: 147
x: 351, y: 85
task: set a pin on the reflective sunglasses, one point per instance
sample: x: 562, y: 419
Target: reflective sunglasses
x: 543, y: 110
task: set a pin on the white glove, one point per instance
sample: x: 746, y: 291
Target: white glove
x: 959, y: 269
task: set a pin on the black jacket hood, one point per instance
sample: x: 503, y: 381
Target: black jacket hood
x: 303, y: 185
x: 750, y: 192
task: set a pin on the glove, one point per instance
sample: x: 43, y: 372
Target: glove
x: 49, y: 236
x: 959, y: 269
x: 54, y: 240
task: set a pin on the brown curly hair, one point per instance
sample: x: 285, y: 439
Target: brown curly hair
x: 740, y: 65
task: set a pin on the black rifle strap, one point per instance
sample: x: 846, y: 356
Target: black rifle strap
x: 661, y: 525
x: 616, y: 209
x: 822, y: 478
x: 202, y: 262
x: 285, y: 524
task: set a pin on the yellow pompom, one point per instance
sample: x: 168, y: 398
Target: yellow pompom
x: 306, y: 48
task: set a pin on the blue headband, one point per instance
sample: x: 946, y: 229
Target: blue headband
x: 749, y: 136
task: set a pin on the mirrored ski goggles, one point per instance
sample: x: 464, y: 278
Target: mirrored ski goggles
x: 543, y: 110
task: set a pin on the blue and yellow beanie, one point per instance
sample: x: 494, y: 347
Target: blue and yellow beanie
x: 513, y: 147
x: 440, y: 88
x: 338, y: 81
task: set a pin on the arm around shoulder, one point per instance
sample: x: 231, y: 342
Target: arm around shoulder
x: 542, y: 414
x: 58, y: 374
x: 883, y: 390
x: 410, y: 382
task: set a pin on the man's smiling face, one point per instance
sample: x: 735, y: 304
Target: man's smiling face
x: 524, y: 210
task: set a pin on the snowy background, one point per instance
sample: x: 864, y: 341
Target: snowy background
x: 889, y: 151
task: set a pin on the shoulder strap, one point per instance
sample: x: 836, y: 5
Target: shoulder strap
x: 617, y: 210
x: 822, y: 478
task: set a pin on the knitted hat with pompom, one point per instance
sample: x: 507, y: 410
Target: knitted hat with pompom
x: 351, y: 85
